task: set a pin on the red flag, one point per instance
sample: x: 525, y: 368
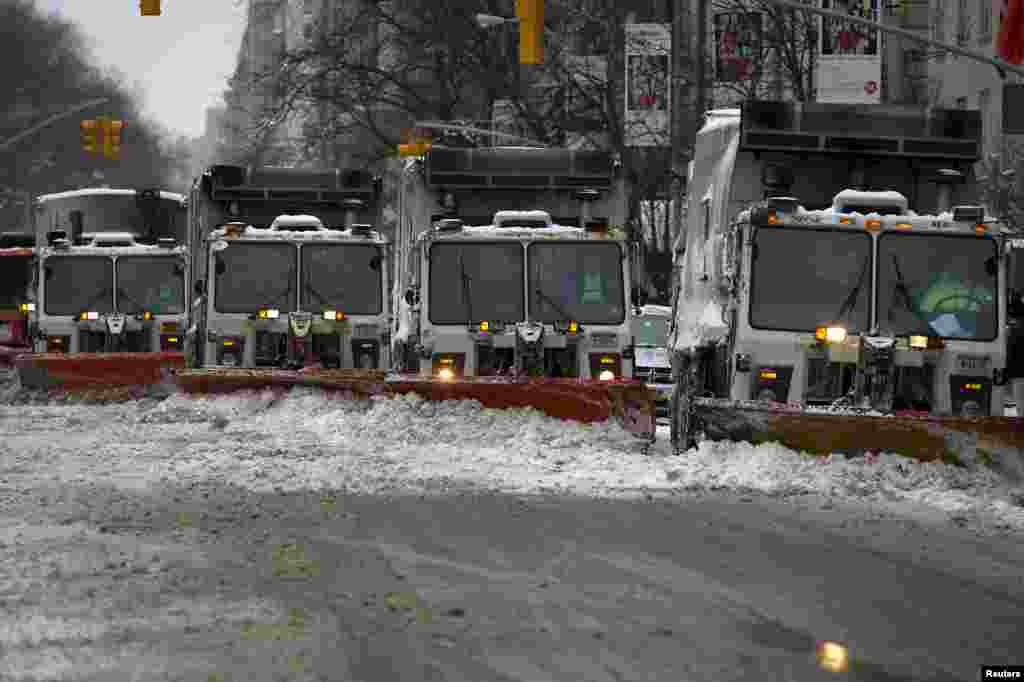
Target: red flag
x: 1011, y: 33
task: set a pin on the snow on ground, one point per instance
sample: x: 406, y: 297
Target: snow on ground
x: 304, y: 441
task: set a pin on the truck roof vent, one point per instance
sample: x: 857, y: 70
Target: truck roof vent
x: 110, y: 239
x: 783, y: 204
x: 880, y: 202
x: 527, y: 219
x: 297, y: 223
x: 449, y: 225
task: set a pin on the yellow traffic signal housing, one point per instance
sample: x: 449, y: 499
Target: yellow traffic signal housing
x: 112, y: 138
x: 150, y: 8
x: 531, y: 31
x: 413, y: 149
x: 90, y: 135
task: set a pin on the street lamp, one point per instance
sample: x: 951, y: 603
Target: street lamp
x: 492, y: 20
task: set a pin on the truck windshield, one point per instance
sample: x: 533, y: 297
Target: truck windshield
x: 803, y: 278
x: 344, y: 277
x: 938, y: 285
x: 582, y: 281
x: 250, y: 276
x: 15, y: 274
x: 154, y: 284
x: 113, y: 213
x: 470, y: 282
x: 650, y: 332
x: 78, y: 284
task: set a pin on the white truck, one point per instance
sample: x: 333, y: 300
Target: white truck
x: 810, y: 284
x: 290, y: 271
x: 111, y: 271
x: 511, y: 261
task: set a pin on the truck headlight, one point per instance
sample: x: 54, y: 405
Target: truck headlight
x: 27, y: 308
x: 606, y: 375
x: 268, y: 314
x: 830, y: 334
x: 90, y: 315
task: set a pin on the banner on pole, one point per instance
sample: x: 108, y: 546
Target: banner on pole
x: 648, y: 47
x: 737, y: 45
x: 849, y: 68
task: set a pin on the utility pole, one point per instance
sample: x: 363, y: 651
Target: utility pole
x: 681, y: 118
x: 52, y: 119
x: 1001, y: 66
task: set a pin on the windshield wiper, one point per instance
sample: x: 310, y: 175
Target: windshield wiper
x: 904, y: 296
x: 566, y: 317
x: 851, y: 300
x: 467, y: 292
x: 313, y: 290
x: 121, y: 292
x: 95, y: 299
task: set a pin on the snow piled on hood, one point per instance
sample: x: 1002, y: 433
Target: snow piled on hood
x: 306, y: 442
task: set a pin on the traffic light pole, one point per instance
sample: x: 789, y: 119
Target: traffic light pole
x: 1001, y: 66
x: 53, y: 119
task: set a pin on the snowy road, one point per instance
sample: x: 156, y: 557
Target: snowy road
x: 261, y: 539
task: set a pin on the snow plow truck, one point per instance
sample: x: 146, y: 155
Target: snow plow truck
x: 816, y: 307
x: 108, y: 304
x: 16, y: 253
x: 290, y: 271
x: 514, y: 282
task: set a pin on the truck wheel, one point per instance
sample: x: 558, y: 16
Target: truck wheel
x: 681, y: 406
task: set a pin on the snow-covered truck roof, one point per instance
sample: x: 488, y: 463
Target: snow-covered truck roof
x: 104, y: 191
x: 835, y: 215
x: 314, y: 232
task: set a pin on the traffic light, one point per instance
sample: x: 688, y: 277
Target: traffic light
x: 112, y: 139
x: 150, y: 8
x: 531, y: 31
x: 414, y: 149
x: 90, y: 135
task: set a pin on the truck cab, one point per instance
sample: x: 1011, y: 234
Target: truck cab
x: 511, y: 266
x: 867, y: 298
x: 307, y: 285
x: 17, y: 301
x: 110, y: 271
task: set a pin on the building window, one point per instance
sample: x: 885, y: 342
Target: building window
x: 940, y: 16
x: 1013, y: 102
x: 985, y: 21
x: 963, y: 23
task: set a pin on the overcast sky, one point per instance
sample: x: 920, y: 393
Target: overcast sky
x: 181, y: 59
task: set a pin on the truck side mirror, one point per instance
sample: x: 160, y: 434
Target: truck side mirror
x: 199, y: 287
x: 411, y: 297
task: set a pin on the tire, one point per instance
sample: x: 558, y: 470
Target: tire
x: 681, y: 416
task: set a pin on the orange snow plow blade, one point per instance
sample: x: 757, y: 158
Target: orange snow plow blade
x: 9, y: 353
x: 96, y: 372
x: 629, y: 403
x: 920, y: 436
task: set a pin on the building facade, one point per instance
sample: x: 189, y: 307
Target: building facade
x: 965, y: 83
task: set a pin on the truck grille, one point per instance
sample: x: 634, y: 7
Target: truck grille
x: 604, y: 340
x: 654, y: 375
